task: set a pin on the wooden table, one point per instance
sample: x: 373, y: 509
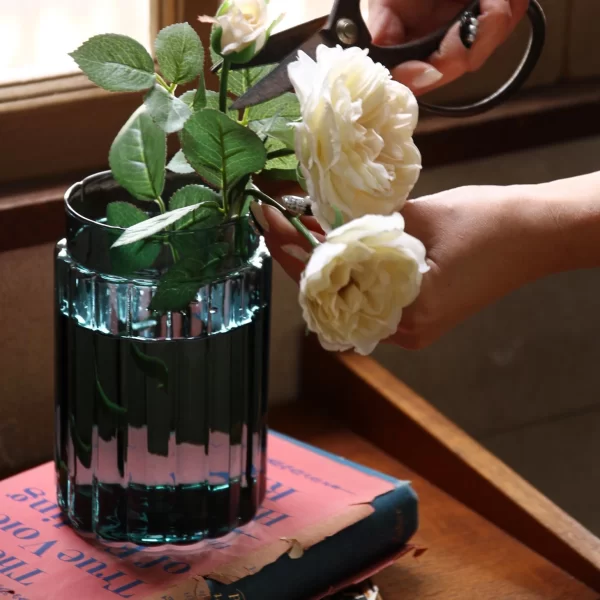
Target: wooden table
x: 356, y: 409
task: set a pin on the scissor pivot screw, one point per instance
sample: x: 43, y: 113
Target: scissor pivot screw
x: 347, y: 31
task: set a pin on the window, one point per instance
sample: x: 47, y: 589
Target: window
x: 36, y: 36
x: 53, y: 120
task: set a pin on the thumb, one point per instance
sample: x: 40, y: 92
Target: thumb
x: 385, y: 24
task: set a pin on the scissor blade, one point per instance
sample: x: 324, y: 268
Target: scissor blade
x: 277, y: 82
x: 283, y: 43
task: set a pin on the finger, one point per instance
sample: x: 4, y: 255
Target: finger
x: 420, y: 77
x: 285, y: 243
x: 385, y: 23
x: 496, y: 23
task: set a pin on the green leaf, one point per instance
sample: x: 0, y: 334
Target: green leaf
x: 286, y: 106
x: 167, y: 111
x: 180, y: 53
x: 180, y: 284
x: 209, y: 211
x: 221, y: 150
x: 178, y: 164
x: 154, y: 225
x: 151, y: 366
x: 137, y: 156
x: 137, y: 256
x: 276, y: 128
x: 241, y: 80
x: 211, y: 100
x: 116, y: 63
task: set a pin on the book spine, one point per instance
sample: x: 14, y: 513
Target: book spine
x: 335, y: 559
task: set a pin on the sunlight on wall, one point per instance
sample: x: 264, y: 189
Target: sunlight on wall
x: 37, y: 35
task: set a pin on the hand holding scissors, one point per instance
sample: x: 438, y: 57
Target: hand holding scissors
x: 393, y: 22
x: 345, y: 26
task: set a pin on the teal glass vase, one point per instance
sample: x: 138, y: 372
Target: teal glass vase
x: 160, y: 416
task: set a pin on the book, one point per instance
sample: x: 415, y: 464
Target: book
x: 326, y: 523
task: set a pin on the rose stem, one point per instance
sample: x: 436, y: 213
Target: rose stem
x: 224, y: 82
x: 290, y: 216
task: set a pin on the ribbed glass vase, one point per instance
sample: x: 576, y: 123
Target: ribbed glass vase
x: 160, y: 417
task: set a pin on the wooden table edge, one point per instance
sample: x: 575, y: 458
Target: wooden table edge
x: 378, y: 406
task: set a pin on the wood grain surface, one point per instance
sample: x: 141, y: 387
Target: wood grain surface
x: 378, y: 406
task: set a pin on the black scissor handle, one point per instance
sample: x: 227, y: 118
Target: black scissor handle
x: 533, y: 52
x: 423, y: 48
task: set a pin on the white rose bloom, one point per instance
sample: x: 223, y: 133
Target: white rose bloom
x: 358, y: 281
x: 354, y: 142
x: 243, y: 23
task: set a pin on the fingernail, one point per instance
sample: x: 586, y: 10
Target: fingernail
x: 296, y: 252
x: 428, y: 77
x: 259, y: 215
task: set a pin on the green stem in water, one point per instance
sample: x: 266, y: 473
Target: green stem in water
x: 290, y: 216
x: 224, y: 84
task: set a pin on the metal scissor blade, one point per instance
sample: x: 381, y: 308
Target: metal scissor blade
x: 283, y: 43
x: 277, y: 82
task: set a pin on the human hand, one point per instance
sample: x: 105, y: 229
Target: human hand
x: 396, y: 21
x: 482, y: 242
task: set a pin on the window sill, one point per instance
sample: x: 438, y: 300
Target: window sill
x: 32, y: 213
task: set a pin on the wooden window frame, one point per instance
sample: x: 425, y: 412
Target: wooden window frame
x: 65, y: 124
x: 57, y: 130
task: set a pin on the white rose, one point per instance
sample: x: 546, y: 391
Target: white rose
x: 354, y: 142
x: 357, y: 282
x: 243, y: 23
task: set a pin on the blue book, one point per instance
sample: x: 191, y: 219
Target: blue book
x: 325, y: 525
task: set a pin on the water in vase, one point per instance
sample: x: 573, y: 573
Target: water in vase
x: 161, y: 419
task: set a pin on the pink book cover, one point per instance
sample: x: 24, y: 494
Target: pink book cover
x: 310, y: 497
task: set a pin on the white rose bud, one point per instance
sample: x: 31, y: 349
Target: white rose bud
x: 358, y: 281
x: 242, y: 28
x: 354, y: 142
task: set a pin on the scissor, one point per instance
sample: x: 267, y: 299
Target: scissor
x: 345, y: 27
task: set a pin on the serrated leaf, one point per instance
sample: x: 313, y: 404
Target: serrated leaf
x: 152, y: 226
x: 167, y: 111
x: 137, y: 156
x: 286, y: 107
x: 179, y: 286
x: 137, y: 256
x: 116, y: 63
x: 241, y: 80
x: 179, y: 164
x: 180, y: 53
x: 276, y: 128
x: 211, y: 100
x: 220, y: 150
x: 188, y: 98
x: 151, y: 366
x: 207, y: 214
